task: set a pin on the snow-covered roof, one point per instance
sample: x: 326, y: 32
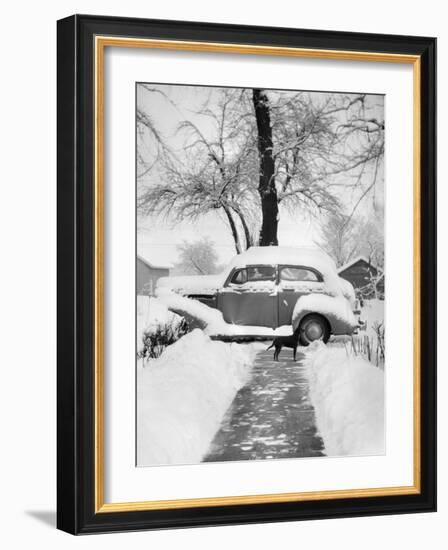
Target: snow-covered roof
x: 311, y: 256
x: 355, y: 261
x: 153, y: 265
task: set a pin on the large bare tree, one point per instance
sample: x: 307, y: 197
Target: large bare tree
x: 216, y: 174
x: 310, y: 147
x: 266, y: 182
x: 267, y: 150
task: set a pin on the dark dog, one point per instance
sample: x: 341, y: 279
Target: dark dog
x: 285, y: 342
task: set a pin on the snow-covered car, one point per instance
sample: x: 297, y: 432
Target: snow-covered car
x: 276, y: 286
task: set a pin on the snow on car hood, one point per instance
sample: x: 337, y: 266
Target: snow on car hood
x: 192, y: 284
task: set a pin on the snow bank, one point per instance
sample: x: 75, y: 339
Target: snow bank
x: 338, y: 308
x: 183, y: 395
x: 347, y: 393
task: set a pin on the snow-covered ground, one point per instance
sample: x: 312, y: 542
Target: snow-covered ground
x: 183, y: 395
x: 347, y: 393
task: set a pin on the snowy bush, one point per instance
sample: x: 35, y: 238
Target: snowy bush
x: 371, y: 342
x: 155, y: 324
x: 157, y: 338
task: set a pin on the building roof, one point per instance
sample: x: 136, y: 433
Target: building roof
x: 153, y: 265
x: 355, y: 261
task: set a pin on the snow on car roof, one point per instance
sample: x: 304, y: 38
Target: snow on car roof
x: 289, y: 255
x: 259, y: 255
x: 272, y: 255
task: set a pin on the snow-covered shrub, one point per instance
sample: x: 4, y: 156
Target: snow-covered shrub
x: 156, y: 338
x: 380, y: 351
x: 155, y: 324
x: 370, y: 341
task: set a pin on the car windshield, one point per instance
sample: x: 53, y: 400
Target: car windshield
x: 239, y: 277
x: 253, y: 274
x: 261, y: 273
x: 297, y: 274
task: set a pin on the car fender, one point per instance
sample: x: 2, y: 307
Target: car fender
x: 336, y: 310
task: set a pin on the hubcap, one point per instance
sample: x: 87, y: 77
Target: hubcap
x: 313, y: 331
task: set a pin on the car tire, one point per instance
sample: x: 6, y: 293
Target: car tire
x: 313, y: 327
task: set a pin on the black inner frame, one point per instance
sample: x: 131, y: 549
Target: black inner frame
x: 75, y: 172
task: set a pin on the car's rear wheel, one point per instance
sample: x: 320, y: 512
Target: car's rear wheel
x: 313, y: 327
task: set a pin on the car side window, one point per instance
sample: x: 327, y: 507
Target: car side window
x: 297, y: 274
x: 261, y: 273
x: 239, y: 277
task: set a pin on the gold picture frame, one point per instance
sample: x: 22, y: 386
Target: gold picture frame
x: 109, y: 516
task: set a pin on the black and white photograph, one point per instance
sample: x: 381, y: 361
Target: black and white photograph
x: 260, y: 274
x: 220, y: 257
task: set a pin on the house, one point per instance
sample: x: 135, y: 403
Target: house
x: 148, y: 274
x: 366, y: 278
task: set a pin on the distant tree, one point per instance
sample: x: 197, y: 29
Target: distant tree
x: 339, y: 238
x: 197, y: 258
x: 344, y: 237
x: 371, y: 241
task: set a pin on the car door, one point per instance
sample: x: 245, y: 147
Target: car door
x: 295, y: 281
x: 249, y: 297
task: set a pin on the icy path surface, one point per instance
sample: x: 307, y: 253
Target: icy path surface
x: 271, y: 416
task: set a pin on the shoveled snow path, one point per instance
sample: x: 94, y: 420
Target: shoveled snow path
x: 271, y: 416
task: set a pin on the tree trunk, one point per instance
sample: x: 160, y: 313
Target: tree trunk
x: 247, y: 234
x: 266, y: 185
x: 234, y: 230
